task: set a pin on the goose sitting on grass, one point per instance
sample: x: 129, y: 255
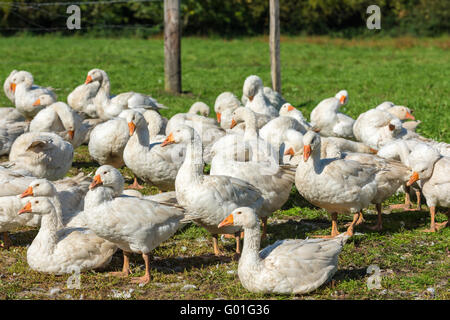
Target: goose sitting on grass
x: 60, y: 119
x: 287, y: 266
x: 107, y: 107
x: 63, y: 250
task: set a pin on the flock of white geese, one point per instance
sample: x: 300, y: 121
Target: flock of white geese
x: 259, y: 147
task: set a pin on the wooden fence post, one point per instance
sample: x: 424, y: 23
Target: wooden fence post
x: 274, y: 40
x: 172, y: 46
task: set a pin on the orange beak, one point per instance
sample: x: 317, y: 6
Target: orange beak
x: 306, y: 152
x: 250, y: 98
x: 233, y: 124
x: 290, y: 152
x: 290, y: 108
x: 410, y: 116
x: 12, y: 87
x: 96, y: 182
x: 27, y: 193
x: 37, y: 103
x: 228, y: 221
x: 414, y: 178
x: 131, y: 127
x: 373, y: 151
x: 218, y: 114
x: 25, y: 209
x: 71, y: 133
x: 169, y: 140
x: 88, y: 80
x: 342, y: 99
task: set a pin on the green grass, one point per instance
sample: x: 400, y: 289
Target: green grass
x: 406, y: 71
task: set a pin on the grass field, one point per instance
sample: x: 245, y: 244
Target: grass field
x: 407, y: 71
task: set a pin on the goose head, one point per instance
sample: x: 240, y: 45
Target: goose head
x: 38, y: 205
x: 252, y: 85
x: 225, y: 101
x: 201, y: 108
x: 311, y: 144
x: 342, y: 96
x: 21, y: 77
x: 44, y: 100
x: 422, y: 160
x: 293, y: 141
x: 96, y: 75
x: 243, y: 217
x: 39, y: 188
x: 108, y: 176
x: 67, y: 117
x: 241, y: 114
x: 401, y: 112
x: 286, y: 109
x: 134, y: 118
x: 181, y: 135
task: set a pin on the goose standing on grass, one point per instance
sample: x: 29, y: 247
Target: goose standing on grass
x: 337, y: 185
x: 12, y: 125
x: 133, y: 224
x: 60, y: 119
x: 150, y: 162
x: 390, y: 176
x: 107, y: 107
x: 208, y: 199
x: 293, y: 266
x: 327, y: 118
x: 41, y: 154
x: 107, y: 142
x: 26, y: 94
x: 433, y: 171
x: 63, y: 250
x: 257, y: 100
x: 81, y: 99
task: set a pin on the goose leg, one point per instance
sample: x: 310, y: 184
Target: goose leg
x: 146, y: 278
x: 334, y: 228
x: 135, y: 185
x: 126, y: 266
x: 349, y: 231
x: 216, y: 245
x: 6, y: 241
x: 237, y: 236
x: 264, y: 225
x: 379, y: 225
x: 435, y: 226
x: 407, y: 203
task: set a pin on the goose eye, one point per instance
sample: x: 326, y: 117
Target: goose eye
x: 239, y: 212
x: 36, y: 201
x: 104, y: 172
x: 37, y: 185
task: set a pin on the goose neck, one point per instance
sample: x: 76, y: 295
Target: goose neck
x: 47, y: 238
x: 193, y: 163
x: 250, y: 252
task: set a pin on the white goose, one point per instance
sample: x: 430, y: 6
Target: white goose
x: 433, y: 171
x: 225, y: 101
x: 107, y: 142
x: 337, y: 185
x: 81, y: 99
x: 63, y: 250
x: 155, y: 165
x: 25, y: 94
x: 288, y: 110
x: 327, y: 118
x: 133, y: 224
x: 70, y: 191
x: 293, y: 266
x: 60, y: 119
x: 209, y: 198
x: 41, y: 154
x: 257, y: 100
x: 107, y: 107
x: 12, y: 125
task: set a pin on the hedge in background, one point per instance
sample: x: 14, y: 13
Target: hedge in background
x: 234, y: 17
